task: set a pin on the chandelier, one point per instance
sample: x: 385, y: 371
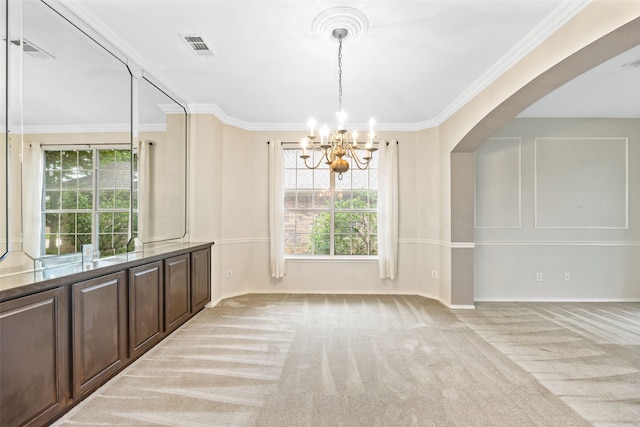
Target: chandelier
x: 334, y: 146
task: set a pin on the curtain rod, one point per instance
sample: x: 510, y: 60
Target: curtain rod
x: 294, y: 142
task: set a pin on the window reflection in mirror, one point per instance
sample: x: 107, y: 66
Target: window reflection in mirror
x: 76, y: 180
x: 160, y: 182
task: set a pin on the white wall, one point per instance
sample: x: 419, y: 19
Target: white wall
x: 556, y: 196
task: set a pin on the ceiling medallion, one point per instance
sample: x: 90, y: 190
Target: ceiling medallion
x: 352, y: 20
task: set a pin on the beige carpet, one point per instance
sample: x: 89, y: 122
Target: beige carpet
x: 588, y: 354
x: 317, y: 360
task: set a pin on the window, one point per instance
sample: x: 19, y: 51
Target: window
x: 324, y: 215
x: 87, y: 200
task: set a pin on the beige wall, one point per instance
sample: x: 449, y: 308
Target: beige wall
x: 205, y: 188
x: 592, y: 228
x: 166, y: 198
x: 229, y: 204
x: 603, y: 29
x: 230, y: 179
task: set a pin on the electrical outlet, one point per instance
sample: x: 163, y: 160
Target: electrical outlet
x: 434, y: 274
x: 538, y: 277
x: 567, y: 276
x: 229, y: 273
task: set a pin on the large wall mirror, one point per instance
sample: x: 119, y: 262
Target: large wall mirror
x: 4, y: 166
x: 161, y: 165
x: 80, y: 170
x: 76, y: 180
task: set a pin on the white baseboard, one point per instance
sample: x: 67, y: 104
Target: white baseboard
x: 461, y: 306
x: 218, y: 300
x: 520, y: 299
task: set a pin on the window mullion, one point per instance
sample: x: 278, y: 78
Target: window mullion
x: 94, y: 205
x: 332, y: 234
x: 43, y: 206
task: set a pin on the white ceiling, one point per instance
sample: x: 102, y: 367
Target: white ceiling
x: 418, y: 62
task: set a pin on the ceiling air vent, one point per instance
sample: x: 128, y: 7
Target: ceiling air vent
x: 198, y: 44
x: 32, y: 50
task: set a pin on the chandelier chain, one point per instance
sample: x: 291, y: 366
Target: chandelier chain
x: 340, y: 74
x: 339, y: 149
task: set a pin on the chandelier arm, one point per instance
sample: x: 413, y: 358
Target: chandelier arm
x: 362, y: 164
x: 324, y: 155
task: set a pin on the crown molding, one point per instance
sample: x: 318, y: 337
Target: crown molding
x: 171, y: 108
x: 104, y: 127
x: 552, y: 22
x: 219, y: 113
x: 97, y: 128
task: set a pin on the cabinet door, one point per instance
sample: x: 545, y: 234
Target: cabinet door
x: 99, y: 330
x: 177, y: 291
x: 145, y: 307
x: 200, y: 279
x: 34, y: 374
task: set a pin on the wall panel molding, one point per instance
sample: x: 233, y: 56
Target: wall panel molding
x: 498, y: 184
x: 242, y: 241
x: 558, y: 243
x: 581, y: 183
x: 402, y: 241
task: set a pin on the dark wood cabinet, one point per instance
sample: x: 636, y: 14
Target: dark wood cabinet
x: 34, y: 363
x: 99, y: 330
x: 200, y: 279
x: 146, y: 307
x: 62, y: 338
x: 177, y: 291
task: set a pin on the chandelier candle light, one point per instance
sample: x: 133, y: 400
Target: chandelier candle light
x: 335, y: 145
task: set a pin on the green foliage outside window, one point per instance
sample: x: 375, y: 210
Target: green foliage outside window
x: 355, y: 228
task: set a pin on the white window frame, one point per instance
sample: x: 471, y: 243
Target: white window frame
x: 331, y: 210
x: 95, y: 210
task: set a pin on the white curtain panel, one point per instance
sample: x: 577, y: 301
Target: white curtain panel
x: 276, y: 211
x: 388, y: 210
x: 32, y: 183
